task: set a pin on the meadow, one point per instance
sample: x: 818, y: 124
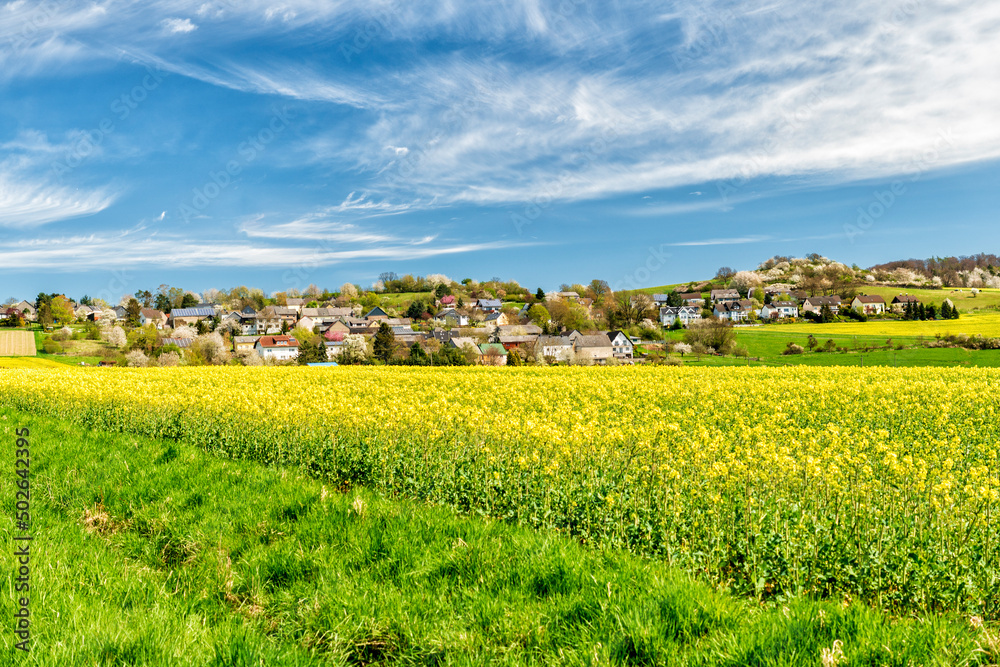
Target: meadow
x: 875, y: 484
x: 149, y: 551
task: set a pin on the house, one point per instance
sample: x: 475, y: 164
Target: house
x: 557, y: 348
x: 869, y: 305
x: 182, y: 343
x: 520, y: 330
x: 188, y: 316
x: 271, y: 319
x: 26, y: 309
x: 686, y: 314
x: 489, y: 305
x: 152, y: 316
x: 447, y: 300
x: 778, y: 288
x: 901, y: 301
x: 492, y: 354
x: 693, y: 299
x: 499, y: 319
x: 814, y: 304
x: 278, y: 348
x: 376, y: 314
x: 621, y: 345
x: 566, y: 296
x: 243, y: 343
x: 512, y: 341
x: 307, y: 323
x: 340, y: 326
x: 86, y: 312
x: 724, y: 295
x: 466, y: 345
x: 295, y: 304
x: 734, y: 311
x: 121, y: 313
x: 661, y: 300
x: 325, y: 316
x: 777, y: 310
x: 453, y: 318
x: 594, y: 348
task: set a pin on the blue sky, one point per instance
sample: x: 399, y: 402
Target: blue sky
x: 278, y: 144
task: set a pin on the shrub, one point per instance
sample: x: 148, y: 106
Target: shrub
x: 51, y: 347
x: 793, y: 349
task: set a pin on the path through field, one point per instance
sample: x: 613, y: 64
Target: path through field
x: 17, y: 344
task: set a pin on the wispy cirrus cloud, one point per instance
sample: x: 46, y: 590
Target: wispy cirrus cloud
x: 25, y: 202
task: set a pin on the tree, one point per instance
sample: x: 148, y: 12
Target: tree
x: 384, y: 343
x: 724, y: 274
x: 162, y: 303
x: 416, y: 309
x: 133, y: 313
x: 495, y: 335
x: 711, y: 333
x: 540, y: 295
x: 311, y: 351
x: 115, y: 336
x: 62, y: 310
x: 45, y: 315
x: 146, y: 297
x: 946, y: 310
x: 599, y: 288
x: 354, y: 351
x: 811, y: 343
x: 674, y: 299
x: 538, y: 314
x: 417, y: 355
x: 682, y: 349
x: 188, y: 300
x: 514, y: 358
x: 349, y: 290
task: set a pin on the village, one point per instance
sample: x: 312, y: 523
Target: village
x: 478, y: 325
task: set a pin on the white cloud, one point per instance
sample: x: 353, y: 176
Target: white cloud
x: 27, y: 203
x: 176, y: 25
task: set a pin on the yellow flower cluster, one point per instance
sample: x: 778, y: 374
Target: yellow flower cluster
x: 880, y: 482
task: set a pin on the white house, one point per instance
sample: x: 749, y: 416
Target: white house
x: 621, y: 345
x: 559, y: 348
x: 779, y: 309
x: 595, y: 349
x: 453, y: 318
x: 686, y: 314
x: 734, y: 311
x: 152, y: 316
x: 869, y: 305
x: 725, y: 295
x: 279, y: 348
x: 814, y: 304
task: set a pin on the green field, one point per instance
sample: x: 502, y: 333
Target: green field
x: 152, y: 552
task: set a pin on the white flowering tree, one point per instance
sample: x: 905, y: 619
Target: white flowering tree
x: 136, y: 359
x: 116, y: 337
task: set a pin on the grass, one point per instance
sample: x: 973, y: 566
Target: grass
x: 153, y: 552
x: 766, y: 343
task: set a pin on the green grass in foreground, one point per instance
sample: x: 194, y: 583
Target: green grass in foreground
x: 150, y: 552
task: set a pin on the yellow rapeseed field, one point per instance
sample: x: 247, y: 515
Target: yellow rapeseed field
x: 880, y: 483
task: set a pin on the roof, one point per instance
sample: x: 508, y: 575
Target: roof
x: 193, y: 312
x: 784, y: 304
x: 554, y: 341
x: 691, y: 295
x: 905, y: 298
x: 489, y: 303
x: 245, y: 339
x: 614, y: 334
x: 179, y: 342
x: 277, y: 341
x: 832, y: 300
x: 599, y: 340
x: 248, y: 310
x: 725, y: 292
x: 462, y: 341
x: 493, y: 347
x: 376, y: 312
x: 873, y: 298
x: 152, y: 313
x: 294, y: 302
